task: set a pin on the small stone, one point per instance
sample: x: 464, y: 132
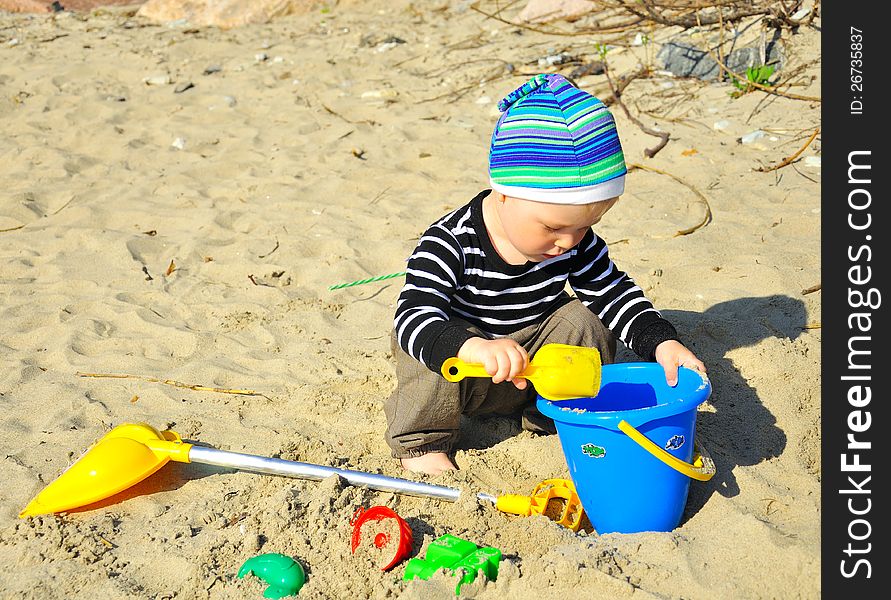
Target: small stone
x: 13, y: 42
x: 261, y: 57
x: 230, y: 101
x: 721, y: 125
x: 554, y: 59
x: 813, y: 162
x: 210, y: 70
x: 754, y: 136
x: 380, y: 94
x: 157, y: 80
x: 179, y: 143
x: 182, y: 87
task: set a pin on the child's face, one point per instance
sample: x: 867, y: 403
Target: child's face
x: 539, y: 231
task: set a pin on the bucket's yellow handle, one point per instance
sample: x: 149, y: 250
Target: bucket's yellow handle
x: 702, y: 469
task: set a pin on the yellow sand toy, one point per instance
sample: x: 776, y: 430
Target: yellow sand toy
x: 131, y: 452
x: 122, y: 458
x: 553, y: 498
x: 558, y: 371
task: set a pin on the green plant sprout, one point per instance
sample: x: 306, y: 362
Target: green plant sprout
x: 757, y: 75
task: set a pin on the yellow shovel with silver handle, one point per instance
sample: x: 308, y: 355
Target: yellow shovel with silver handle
x: 133, y: 451
x: 558, y: 371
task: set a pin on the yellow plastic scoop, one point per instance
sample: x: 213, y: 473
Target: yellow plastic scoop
x: 122, y: 458
x: 558, y: 371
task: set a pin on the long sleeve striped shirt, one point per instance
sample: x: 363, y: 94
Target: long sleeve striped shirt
x: 455, y: 271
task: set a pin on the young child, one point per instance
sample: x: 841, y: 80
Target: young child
x: 486, y: 282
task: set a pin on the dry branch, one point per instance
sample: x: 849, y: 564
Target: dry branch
x: 199, y: 388
x: 622, y: 26
x: 688, y: 15
x: 812, y: 289
x: 708, y: 209
x: 764, y: 88
x: 623, y: 82
x: 789, y: 159
x: 617, y: 96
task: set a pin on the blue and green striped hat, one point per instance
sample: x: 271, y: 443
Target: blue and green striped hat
x: 555, y: 143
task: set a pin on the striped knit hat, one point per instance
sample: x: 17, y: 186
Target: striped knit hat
x: 555, y: 143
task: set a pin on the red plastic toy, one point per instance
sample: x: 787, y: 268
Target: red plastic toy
x: 392, y: 539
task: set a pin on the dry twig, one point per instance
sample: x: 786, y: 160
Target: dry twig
x: 623, y: 82
x: 788, y: 160
x: 770, y: 89
x: 812, y: 289
x: 460, y: 92
x: 689, y: 16
x: 199, y: 388
x: 271, y: 251
x: 622, y: 26
x: 708, y: 209
x: 617, y: 96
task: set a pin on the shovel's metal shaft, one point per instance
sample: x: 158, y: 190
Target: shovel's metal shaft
x: 300, y: 470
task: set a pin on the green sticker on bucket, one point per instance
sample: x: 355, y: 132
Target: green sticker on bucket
x: 593, y: 450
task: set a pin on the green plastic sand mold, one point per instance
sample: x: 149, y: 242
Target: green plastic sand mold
x: 457, y: 556
x: 284, y: 575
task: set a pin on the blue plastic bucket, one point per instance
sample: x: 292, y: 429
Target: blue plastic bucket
x: 630, y: 448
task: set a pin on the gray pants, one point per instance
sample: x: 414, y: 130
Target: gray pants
x: 424, y: 411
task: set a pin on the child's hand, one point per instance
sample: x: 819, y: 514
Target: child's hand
x: 672, y: 354
x: 503, y: 359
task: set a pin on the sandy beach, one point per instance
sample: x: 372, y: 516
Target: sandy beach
x: 177, y: 199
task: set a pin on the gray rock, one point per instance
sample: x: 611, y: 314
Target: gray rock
x: 686, y: 60
x: 593, y: 68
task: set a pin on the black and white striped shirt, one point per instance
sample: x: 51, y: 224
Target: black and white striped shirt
x: 455, y: 270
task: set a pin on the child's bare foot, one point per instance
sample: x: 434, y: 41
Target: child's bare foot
x: 432, y: 463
